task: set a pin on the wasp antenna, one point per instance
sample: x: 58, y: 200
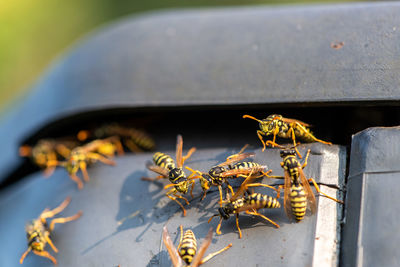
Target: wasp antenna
x: 251, y: 117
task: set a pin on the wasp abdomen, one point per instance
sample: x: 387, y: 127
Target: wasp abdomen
x: 306, y: 135
x: 142, y: 140
x: 164, y: 160
x: 245, y: 165
x: 188, y: 247
x: 298, y: 201
x: 262, y: 201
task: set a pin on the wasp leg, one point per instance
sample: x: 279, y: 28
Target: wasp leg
x: 46, y: 255
x: 50, y: 167
x: 306, y: 159
x: 181, y: 236
x: 60, y: 208
x: 101, y: 158
x: 63, y: 150
x: 173, y: 191
x: 311, y: 135
x: 51, y: 244
x: 191, y: 190
x: 48, y: 171
x: 76, y: 180
x: 132, y: 146
x: 291, y: 130
x: 260, y: 184
x: 204, y: 195
x: 260, y: 134
x: 218, y: 230
x: 118, y: 145
x: 85, y: 173
x: 64, y: 220
x: 278, y: 195
x: 230, y: 188
x: 21, y: 260
x: 190, y: 152
x: 273, y: 144
x: 211, y: 255
x: 275, y: 133
x: 319, y: 191
x: 262, y: 216
x: 237, y: 225
x: 220, y: 195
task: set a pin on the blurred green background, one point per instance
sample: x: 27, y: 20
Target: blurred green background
x: 34, y: 32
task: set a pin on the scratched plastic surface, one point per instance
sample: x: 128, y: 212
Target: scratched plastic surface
x: 370, y: 234
x: 123, y: 216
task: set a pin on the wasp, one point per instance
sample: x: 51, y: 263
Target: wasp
x: 134, y: 139
x: 38, y: 231
x: 81, y: 156
x: 187, y: 254
x: 165, y: 166
x: 277, y: 125
x: 249, y: 203
x: 217, y: 175
x: 297, y: 191
x: 47, y: 152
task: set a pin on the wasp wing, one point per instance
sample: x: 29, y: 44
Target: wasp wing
x: 173, y: 253
x: 286, y: 195
x: 312, y: 203
x: 199, y: 255
x: 235, y: 158
x: 249, y: 179
x: 288, y: 120
x: 255, y: 171
x: 179, y: 146
x: 157, y: 169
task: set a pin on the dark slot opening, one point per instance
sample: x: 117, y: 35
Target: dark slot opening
x: 219, y: 126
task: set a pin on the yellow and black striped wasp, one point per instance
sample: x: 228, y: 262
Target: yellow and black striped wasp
x: 249, y: 203
x: 297, y: 191
x: 166, y: 168
x: 216, y: 176
x: 277, y: 125
x: 38, y: 231
x: 47, y: 152
x: 134, y: 139
x: 187, y: 254
x: 97, y: 150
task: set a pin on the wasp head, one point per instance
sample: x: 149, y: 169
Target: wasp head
x: 74, y: 161
x: 224, y: 213
x: 36, y: 244
x: 205, y: 182
x: 287, y: 152
x: 271, y: 123
x: 182, y: 186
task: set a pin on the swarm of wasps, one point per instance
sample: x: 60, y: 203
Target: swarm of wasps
x: 74, y: 154
x: 109, y: 140
x: 89, y: 146
x: 298, y: 196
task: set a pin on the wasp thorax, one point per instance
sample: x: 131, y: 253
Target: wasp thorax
x: 176, y: 173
